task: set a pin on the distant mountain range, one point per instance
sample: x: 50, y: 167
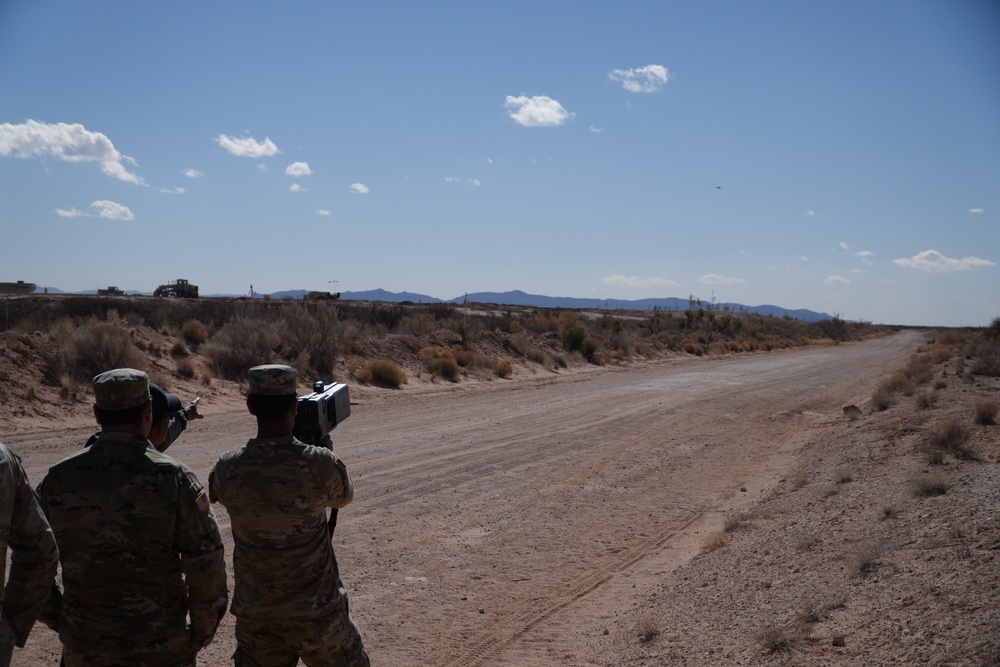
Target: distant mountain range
x: 519, y: 298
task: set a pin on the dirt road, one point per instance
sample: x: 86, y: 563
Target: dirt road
x: 508, y: 523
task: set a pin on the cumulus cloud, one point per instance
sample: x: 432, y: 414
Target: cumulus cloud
x: 932, y: 260
x: 297, y: 169
x: 595, y: 129
x: 247, y: 146
x: 193, y: 173
x: 324, y: 211
x: 540, y: 111
x: 359, y: 189
x: 865, y: 253
x: 844, y: 246
x: 297, y: 188
x: 172, y: 191
x: 637, y: 282
x: 66, y: 142
x: 837, y: 280
x: 975, y: 210
x: 474, y: 182
x: 648, y: 79
x: 716, y: 279
x: 810, y: 212
x: 102, y: 208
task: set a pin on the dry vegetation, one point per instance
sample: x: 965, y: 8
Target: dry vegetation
x: 372, y: 342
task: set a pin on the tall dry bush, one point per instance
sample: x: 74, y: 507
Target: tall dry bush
x: 240, y: 344
x: 90, y: 350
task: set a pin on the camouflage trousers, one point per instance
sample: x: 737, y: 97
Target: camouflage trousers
x: 94, y: 659
x: 333, y: 641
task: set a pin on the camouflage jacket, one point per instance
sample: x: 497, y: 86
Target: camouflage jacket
x: 140, y: 550
x: 276, y: 491
x: 34, y: 556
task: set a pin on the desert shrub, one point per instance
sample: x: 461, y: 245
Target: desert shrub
x: 986, y: 411
x: 734, y: 521
x: 774, y: 638
x: 420, y: 324
x: 647, y: 628
x: 925, y: 401
x: 240, y: 344
x: 925, y: 486
x: 382, y: 372
x: 185, y: 368
x: 864, y: 557
x: 310, y: 335
x: 503, y: 368
x: 716, y: 541
x: 573, y: 338
x: 468, y: 359
x: 439, y: 362
x: 194, y: 332
x: 90, y: 350
x: 949, y: 435
x: 881, y: 400
x: 179, y: 349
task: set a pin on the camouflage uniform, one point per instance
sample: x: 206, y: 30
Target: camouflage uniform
x: 289, y: 601
x: 140, y: 547
x: 33, y: 560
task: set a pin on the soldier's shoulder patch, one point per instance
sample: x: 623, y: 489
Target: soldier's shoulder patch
x: 202, y: 502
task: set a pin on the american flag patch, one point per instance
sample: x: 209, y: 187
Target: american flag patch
x: 202, y: 502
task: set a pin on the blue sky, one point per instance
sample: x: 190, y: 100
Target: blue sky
x: 841, y: 156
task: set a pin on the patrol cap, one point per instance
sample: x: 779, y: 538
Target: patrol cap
x: 163, y: 403
x: 272, y: 380
x: 121, y: 389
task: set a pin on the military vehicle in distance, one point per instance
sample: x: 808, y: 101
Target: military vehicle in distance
x: 111, y: 291
x: 181, y: 288
x: 321, y: 296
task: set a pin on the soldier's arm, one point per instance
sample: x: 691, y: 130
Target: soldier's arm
x: 34, y: 558
x: 340, y: 489
x: 202, y: 560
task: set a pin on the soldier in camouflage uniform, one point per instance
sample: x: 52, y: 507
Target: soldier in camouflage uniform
x: 33, y: 559
x: 143, y: 569
x: 289, y: 601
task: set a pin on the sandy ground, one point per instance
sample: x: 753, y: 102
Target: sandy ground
x: 561, y: 519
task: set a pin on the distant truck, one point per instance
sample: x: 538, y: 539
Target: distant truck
x: 181, y: 288
x: 20, y: 287
x: 111, y: 291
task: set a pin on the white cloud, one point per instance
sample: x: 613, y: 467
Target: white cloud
x: 262, y: 168
x: 932, y: 260
x: 66, y: 142
x: 637, y: 282
x: 474, y: 182
x: 193, y: 173
x: 174, y: 191
x: 975, y: 210
x: 540, y: 111
x: 844, y: 246
x: 595, y: 130
x: 802, y: 258
x: 69, y: 212
x: 112, y: 210
x: 489, y: 160
x: 324, y: 211
x: 837, y: 280
x: 297, y: 188
x: 648, y: 79
x: 359, y: 189
x: 298, y: 169
x: 247, y: 146
x: 716, y: 279
x: 865, y: 253
x: 810, y: 212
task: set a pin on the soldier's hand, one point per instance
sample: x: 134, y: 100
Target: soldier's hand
x: 191, y: 410
x: 326, y: 441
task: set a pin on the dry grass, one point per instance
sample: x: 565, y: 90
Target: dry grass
x: 194, y: 332
x: 716, y: 541
x: 647, y: 628
x: 774, y: 638
x: 985, y: 412
x: 381, y: 372
x: 926, y: 486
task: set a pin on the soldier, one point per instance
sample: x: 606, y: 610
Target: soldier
x: 143, y: 570
x: 34, y: 555
x: 289, y: 601
x: 170, y: 418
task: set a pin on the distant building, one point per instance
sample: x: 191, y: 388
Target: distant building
x: 20, y: 287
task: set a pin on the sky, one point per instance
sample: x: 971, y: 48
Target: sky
x: 836, y: 155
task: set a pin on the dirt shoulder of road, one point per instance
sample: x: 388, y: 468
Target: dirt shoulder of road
x: 868, y: 553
